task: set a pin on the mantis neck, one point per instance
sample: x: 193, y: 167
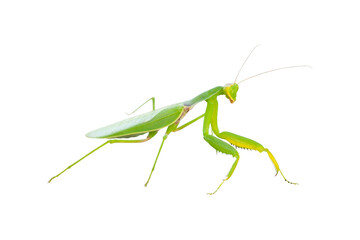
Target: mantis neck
x: 216, y: 91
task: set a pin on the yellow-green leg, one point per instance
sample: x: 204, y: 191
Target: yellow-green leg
x: 150, y: 135
x: 242, y: 142
x: 188, y: 123
x: 226, y: 148
x: 157, y: 156
x: 171, y: 128
x: 247, y: 143
x: 216, y: 143
x: 153, y: 105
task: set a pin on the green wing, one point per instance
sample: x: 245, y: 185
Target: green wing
x: 141, y: 124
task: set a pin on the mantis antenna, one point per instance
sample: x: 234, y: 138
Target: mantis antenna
x: 273, y: 70
x: 245, y: 61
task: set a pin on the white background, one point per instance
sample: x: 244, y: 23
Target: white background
x: 68, y: 67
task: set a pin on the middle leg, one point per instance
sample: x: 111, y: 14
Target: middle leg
x: 170, y: 129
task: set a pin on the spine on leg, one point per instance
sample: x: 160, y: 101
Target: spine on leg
x: 221, y: 146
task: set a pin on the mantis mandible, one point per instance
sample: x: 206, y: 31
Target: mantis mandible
x: 170, y: 116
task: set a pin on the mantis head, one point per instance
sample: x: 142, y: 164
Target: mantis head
x: 230, y: 91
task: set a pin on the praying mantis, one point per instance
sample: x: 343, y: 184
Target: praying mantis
x: 170, y: 117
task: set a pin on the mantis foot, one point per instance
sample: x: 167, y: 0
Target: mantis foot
x: 218, y: 187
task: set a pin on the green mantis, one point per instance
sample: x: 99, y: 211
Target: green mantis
x: 171, y: 116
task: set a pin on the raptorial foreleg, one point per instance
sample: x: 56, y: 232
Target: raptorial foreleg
x: 242, y: 142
